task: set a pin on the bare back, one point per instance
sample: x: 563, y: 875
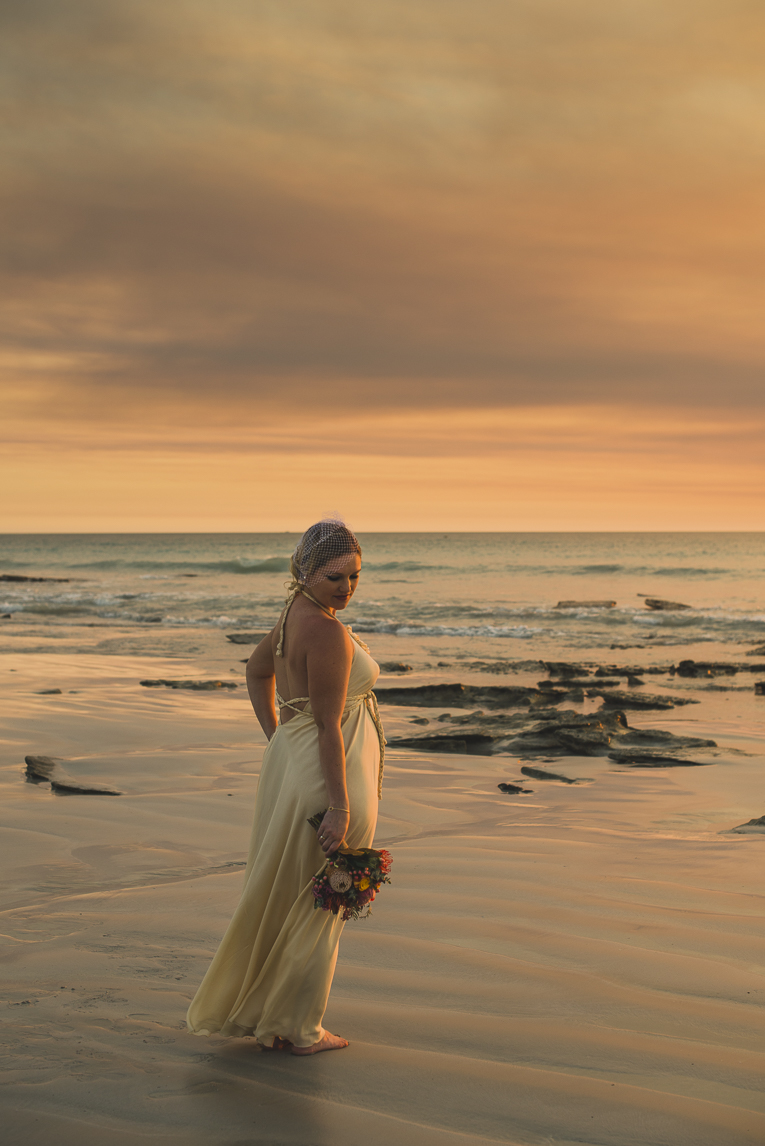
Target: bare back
x: 307, y: 633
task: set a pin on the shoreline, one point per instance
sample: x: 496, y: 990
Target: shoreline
x: 579, y: 963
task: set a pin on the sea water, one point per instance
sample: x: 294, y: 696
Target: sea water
x: 483, y: 595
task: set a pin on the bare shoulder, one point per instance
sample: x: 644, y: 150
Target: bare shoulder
x: 261, y: 662
x: 325, y: 635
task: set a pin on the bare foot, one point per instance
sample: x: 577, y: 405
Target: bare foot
x: 328, y: 1042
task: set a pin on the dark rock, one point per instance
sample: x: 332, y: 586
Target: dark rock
x: 75, y: 788
x: 420, y: 720
x: 706, y: 668
x: 150, y: 620
x: 245, y: 638
x: 586, y: 605
x: 758, y: 652
x: 615, y: 722
x: 550, y: 731
x: 444, y: 665
x: 659, y: 605
x: 620, y: 699
x: 654, y: 760
x: 195, y: 685
x: 759, y: 688
x: 456, y: 696
x: 545, y: 698
x: 566, y: 668
x: 756, y: 825
x: 583, y: 741
x: 40, y: 768
x: 472, y: 743
x: 465, y: 718
x: 634, y: 681
x: 569, y: 733
x: 633, y: 670
x: 19, y: 577
x: 514, y: 789
x: 657, y: 736
x: 45, y: 769
x: 5, y: 616
x: 570, y: 684
x: 540, y: 774
x: 49, y: 692
x: 395, y: 666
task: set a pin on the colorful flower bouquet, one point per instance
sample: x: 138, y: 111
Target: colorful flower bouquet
x: 350, y: 879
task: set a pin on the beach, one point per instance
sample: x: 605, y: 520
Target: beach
x: 572, y: 963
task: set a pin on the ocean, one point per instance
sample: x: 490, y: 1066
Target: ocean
x: 481, y: 595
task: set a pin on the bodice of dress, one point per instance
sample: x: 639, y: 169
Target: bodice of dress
x: 363, y: 675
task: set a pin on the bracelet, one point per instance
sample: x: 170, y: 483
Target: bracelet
x: 331, y: 809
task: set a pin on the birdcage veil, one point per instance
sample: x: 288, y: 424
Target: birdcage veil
x: 325, y: 547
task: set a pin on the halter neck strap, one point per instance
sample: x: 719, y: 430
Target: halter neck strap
x: 288, y: 604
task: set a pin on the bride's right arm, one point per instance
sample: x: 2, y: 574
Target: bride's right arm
x: 328, y: 661
x: 261, y: 685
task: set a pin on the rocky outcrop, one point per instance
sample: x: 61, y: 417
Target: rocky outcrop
x: 756, y: 825
x: 47, y: 770
x: 245, y: 638
x: 659, y: 605
x: 639, y: 702
x: 467, y: 743
x: 395, y: 666
x: 566, y: 668
x: 18, y: 577
x: 653, y: 760
x: 758, y: 652
x: 457, y: 696
x: 514, y: 788
x: 706, y: 668
x: 557, y: 733
x: 656, y: 737
x: 541, y: 774
x: 194, y: 685
x: 586, y: 605
x: 759, y: 688
x: 571, y: 684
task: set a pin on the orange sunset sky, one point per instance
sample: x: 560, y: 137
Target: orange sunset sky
x: 486, y: 264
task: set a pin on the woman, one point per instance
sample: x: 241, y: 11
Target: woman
x: 273, y: 970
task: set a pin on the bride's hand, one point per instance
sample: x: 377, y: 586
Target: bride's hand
x: 332, y: 830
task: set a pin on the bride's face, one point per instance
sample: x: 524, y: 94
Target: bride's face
x: 336, y: 584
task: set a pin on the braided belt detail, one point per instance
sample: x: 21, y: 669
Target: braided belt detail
x: 352, y: 702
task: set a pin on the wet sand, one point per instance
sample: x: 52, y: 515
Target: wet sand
x: 577, y: 965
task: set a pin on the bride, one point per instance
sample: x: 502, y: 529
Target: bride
x: 273, y: 971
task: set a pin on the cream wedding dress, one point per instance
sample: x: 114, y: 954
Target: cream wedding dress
x: 273, y: 970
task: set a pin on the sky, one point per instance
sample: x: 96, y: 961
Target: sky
x: 488, y: 264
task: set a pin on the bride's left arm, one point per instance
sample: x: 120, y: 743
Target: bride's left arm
x: 261, y: 685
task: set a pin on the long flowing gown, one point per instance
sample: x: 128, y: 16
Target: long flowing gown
x: 272, y: 973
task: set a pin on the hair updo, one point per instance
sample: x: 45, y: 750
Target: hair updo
x: 329, y: 543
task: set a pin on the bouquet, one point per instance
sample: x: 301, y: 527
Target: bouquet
x: 350, y: 879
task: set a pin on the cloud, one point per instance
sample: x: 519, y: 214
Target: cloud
x: 384, y: 205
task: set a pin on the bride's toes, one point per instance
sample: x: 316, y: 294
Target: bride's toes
x: 328, y: 1042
